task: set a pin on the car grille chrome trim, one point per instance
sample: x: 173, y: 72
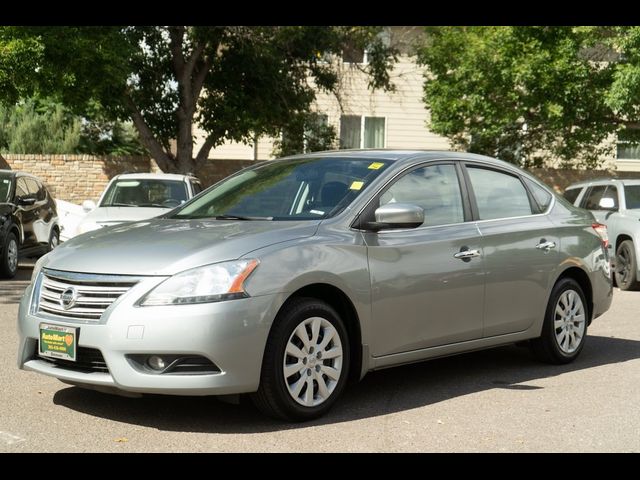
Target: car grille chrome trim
x: 93, y: 293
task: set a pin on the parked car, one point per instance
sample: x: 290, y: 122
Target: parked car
x: 291, y: 277
x: 137, y: 196
x: 615, y: 203
x: 28, y: 219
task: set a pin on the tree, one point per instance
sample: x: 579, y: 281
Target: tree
x: 43, y: 125
x: 528, y: 94
x: 237, y: 83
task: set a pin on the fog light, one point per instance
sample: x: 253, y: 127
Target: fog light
x: 156, y: 362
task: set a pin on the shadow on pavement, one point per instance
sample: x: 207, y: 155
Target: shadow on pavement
x: 380, y: 393
x: 11, y: 290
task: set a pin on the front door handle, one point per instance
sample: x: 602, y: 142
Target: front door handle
x: 466, y: 254
x: 546, y: 246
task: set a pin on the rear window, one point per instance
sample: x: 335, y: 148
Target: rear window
x: 572, y: 194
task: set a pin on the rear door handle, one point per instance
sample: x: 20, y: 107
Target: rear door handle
x: 466, y: 254
x: 546, y: 246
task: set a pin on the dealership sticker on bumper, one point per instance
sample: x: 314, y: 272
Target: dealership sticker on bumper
x: 57, y: 341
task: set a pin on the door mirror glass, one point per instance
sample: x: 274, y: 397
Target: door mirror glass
x: 88, y: 205
x: 607, y: 203
x: 399, y: 215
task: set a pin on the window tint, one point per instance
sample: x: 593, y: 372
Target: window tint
x: 498, y: 194
x: 572, y: 194
x: 196, y: 187
x: 542, y: 197
x: 32, y: 186
x: 597, y: 193
x: 632, y: 196
x: 434, y: 188
x: 21, y: 188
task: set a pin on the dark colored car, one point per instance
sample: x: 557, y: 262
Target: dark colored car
x: 28, y: 219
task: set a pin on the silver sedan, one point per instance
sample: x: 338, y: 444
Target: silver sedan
x: 292, y: 277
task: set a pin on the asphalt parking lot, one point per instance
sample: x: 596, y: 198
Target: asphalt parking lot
x: 497, y: 400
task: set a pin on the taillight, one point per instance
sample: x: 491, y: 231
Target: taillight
x: 601, y: 230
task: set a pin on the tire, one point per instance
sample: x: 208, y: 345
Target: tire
x: 9, y: 258
x: 563, y: 334
x: 626, y: 267
x: 54, y: 239
x: 286, y: 397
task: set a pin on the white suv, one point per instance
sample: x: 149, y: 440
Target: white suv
x: 616, y: 203
x: 138, y: 196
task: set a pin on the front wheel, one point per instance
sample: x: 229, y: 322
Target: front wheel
x: 565, y: 324
x: 9, y: 257
x: 306, y: 362
x: 54, y: 239
x: 626, y: 266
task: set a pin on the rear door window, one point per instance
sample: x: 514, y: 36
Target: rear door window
x: 498, y: 194
x: 597, y: 193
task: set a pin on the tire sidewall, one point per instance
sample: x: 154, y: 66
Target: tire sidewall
x: 549, y: 329
x: 54, y: 234
x: 4, y: 261
x: 633, y: 260
x: 280, y: 337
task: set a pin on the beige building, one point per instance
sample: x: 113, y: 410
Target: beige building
x: 366, y: 119
x: 362, y: 118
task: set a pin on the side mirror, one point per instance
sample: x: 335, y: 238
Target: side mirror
x: 607, y: 203
x: 24, y: 201
x: 397, y: 215
x: 88, y: 205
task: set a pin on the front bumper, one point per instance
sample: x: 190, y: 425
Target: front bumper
x: 231, y: 334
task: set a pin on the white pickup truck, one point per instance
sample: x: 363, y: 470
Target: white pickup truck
x: 615, y: 203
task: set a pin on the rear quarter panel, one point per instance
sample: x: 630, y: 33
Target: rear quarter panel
x: 581, y: 247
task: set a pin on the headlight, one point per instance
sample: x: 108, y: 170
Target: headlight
x: 42, y: 261
x: 211, y: 283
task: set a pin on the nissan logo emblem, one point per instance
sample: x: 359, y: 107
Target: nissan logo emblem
x: 68, y: 298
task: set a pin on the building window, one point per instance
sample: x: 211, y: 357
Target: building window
x: 628, y: 146
x: 353, y: 54
x: 362, y: 132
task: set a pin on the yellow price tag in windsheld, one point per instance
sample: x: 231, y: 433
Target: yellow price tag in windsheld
x: 356, y: 185
x: 376, y: 166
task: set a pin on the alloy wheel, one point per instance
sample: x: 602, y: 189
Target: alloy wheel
x: 569, y: 321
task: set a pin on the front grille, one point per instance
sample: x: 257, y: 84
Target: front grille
x: 93, y: 293
x: 88, y: 360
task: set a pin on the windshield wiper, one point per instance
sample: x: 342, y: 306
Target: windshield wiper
x: 240, y: 217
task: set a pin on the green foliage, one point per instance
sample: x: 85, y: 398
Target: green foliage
x: 44, y: 126
x: 523, y: 94
x: 38, y: 126
x: 308, y: 133
x: 235, y: 82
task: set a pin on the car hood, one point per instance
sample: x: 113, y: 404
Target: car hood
x: 115, y: 215
x: 169, y: 246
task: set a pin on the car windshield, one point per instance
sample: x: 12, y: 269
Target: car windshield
x: 143, y: 192
x: 632, y: 196
x: 5, y: 188
x: 293, y: 189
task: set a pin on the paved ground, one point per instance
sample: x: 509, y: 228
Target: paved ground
x: 493, y: 401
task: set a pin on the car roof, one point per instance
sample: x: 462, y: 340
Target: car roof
x: 604, y: 181
x: 398, y: 155
x: 155, y: 176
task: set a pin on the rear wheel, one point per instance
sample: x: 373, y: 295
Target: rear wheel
x: 626, y: 267
x: 565, y: 325
x: 9, y: 258
x: 306, y: 362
